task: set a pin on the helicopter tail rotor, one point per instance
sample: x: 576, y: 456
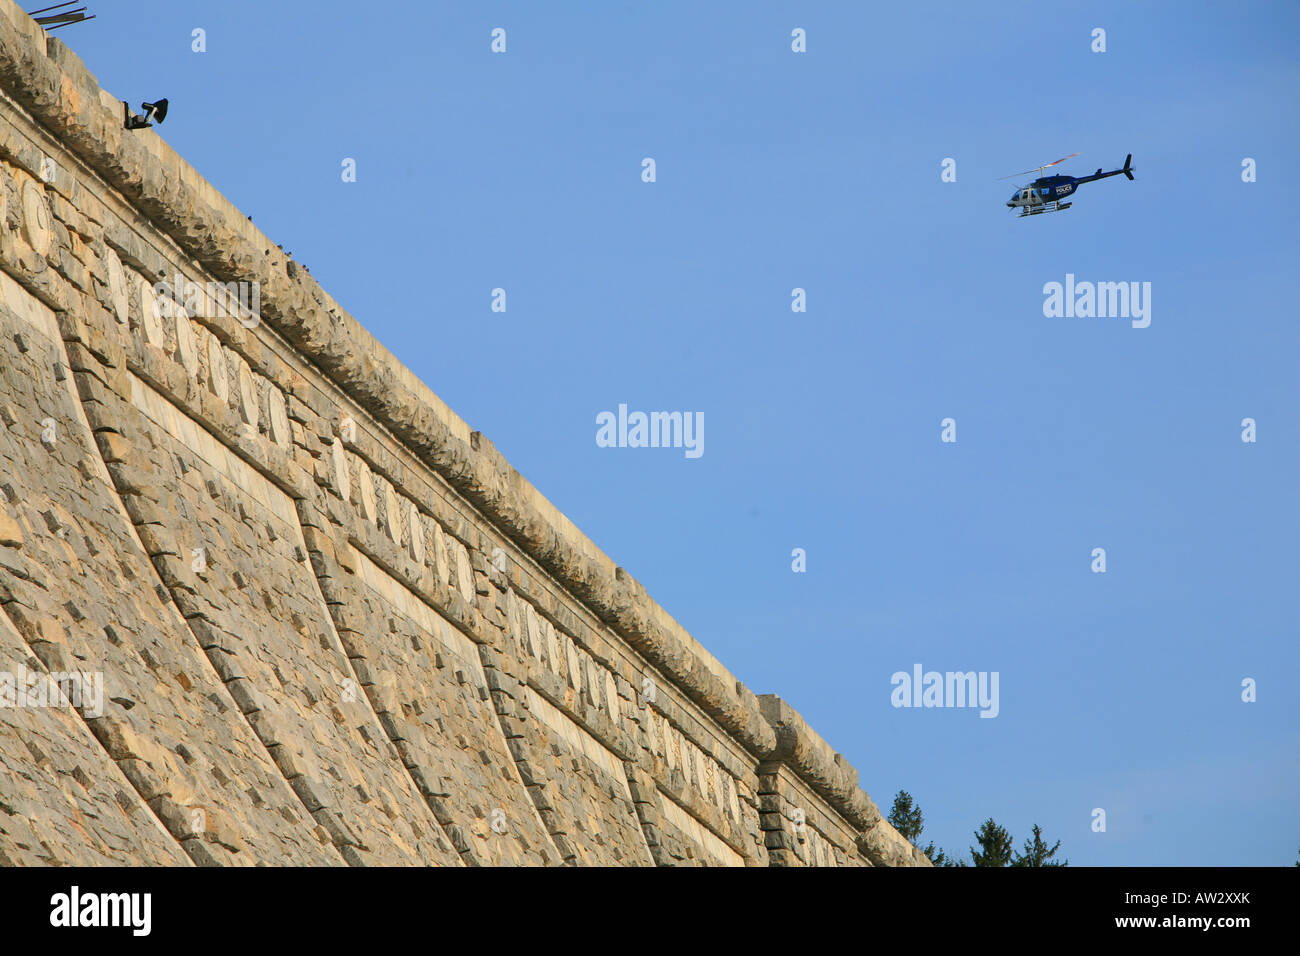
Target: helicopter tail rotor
x: 1128, y: 166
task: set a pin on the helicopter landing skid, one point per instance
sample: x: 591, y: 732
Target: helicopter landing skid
x: 1045, y: 207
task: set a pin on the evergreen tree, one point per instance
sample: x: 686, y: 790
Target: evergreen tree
x: 939, y: 858
x: 1037, y: 852
x: 995, y: 845
x: 996, y: 848
x: 906, y: 817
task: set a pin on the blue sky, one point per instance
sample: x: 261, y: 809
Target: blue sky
x: 821, y: 171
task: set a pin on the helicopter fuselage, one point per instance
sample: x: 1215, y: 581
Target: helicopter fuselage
x: 1045, y: 189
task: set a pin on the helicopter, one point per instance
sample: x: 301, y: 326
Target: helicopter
x: 1045, y: 193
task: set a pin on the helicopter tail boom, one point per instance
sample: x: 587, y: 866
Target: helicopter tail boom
x: 1126, y: 169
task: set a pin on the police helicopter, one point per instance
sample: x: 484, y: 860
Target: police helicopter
x: 1045, y: 193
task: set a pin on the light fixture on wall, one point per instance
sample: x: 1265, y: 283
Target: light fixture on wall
x: 156, y: 111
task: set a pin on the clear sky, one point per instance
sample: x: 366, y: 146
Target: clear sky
x: 821, y: 170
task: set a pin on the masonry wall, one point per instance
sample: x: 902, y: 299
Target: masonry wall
x: 335, y: 626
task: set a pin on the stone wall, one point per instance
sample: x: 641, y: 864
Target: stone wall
x: 334, y: 625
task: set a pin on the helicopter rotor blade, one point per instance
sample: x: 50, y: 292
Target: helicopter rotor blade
x: 1039, y: 169
x: 1062, y: 159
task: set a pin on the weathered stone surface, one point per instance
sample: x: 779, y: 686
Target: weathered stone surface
x: 335, y: 626
x: 106, y: 616
x: 63, y: 801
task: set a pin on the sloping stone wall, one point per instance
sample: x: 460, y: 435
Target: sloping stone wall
x: 334, y: 626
